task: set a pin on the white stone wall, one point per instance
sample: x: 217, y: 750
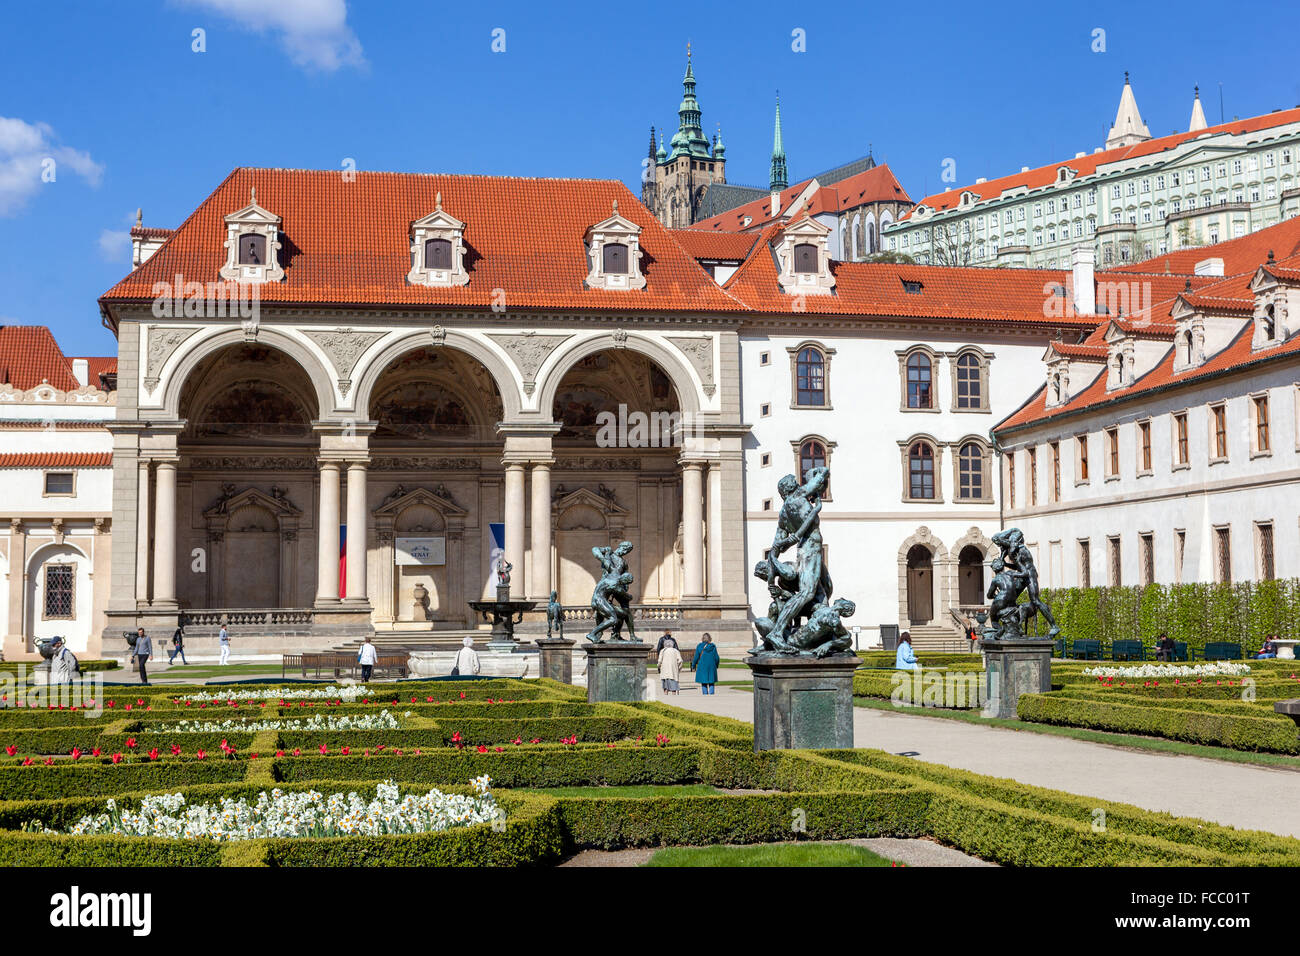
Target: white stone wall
x: 866, y: 521
x: 1238, y: 493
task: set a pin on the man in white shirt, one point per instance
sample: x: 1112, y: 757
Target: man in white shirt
x: 368, y: 657
x: 224, y: 639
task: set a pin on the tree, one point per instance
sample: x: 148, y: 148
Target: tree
x: 951, y: 244
x: 896, y: 257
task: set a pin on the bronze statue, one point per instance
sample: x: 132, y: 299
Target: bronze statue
x: 1013, y: 574
x: 504, y: 568
x: 555, y: 616
x: 801, y: 620
x: 612, y: 600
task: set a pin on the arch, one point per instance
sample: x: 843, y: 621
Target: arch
x: 568, y: 355
x: 320, y: 378
x: 871, y: 237
x: 913, y: 579
x: 75, y: 627
x: 369, y: 370
x: 918, y: 369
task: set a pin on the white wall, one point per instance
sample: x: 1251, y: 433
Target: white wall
x: 76, y: 632
x: 866, y: 521
x: 1246, y: 489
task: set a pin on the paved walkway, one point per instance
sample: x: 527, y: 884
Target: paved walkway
x: 907, y: 852
x: 1240, y: 795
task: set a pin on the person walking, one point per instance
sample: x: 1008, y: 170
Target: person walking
x: 178, y: 646
x: 63, y: 663
x: 667, y: 638
x: 223, y: 638
x: 367, y: 658
x: 705, y: 664
x: 466, y: 660
x: 670, y: 666
x: 143, y: 651
x: 905, y: 658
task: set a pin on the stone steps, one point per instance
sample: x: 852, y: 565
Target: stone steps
x: 938, y: 639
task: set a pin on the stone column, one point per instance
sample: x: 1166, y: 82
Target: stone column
x: 357, y: 531
x: 541, y: 543
x: 714, y: 534
x: 164, y: 548
x: 514, y: 518
x: 142, y: 535
x: 327, y: 535
x: 17, y: 642
x: 692, y: 531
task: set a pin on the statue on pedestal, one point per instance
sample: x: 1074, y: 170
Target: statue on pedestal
x: 504, y: 568
x: 801, y: 591
x: 1013, y: 574
x: 554, y: 616
x: 612, y: 600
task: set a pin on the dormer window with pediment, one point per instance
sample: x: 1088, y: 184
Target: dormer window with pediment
x: 438, y: 249
x: 1120, y: 364
x: 1271, y: 314
x: 614, y: 253
x: 253, y: 244
x: 1058, y: 383
x: 803, y: 256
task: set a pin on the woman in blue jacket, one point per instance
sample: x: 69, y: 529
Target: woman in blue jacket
x: 705, y: 664
x: 905, y: 659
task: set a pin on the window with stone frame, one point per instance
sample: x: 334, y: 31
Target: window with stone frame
x: 810, y: 377
x: 1081, y: 475
x: 1260, y: 433
x: 973, y: 461
x: 970, y: 380
x: 1218, y: 433
x: 1112, y: 453
x: 1265, y: 569
x: 615, y: 258
x: 921, y: 470
x: 1144, y: 448
x: 1223, y: 554
x: 59, y: 592
x: 1116, y: 562
x: 805, y: 257
x: 1148, y: 547
x: 1085, y: 563
x: 437, y: 254
x: 1180, y: 551
x: 1182, y: 454
x: 918, y: 381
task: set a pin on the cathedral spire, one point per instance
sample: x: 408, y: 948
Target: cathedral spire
x: 777, y: 175
x: 1198, y: 114
x: 1129, y: 128
x: 690, y: 139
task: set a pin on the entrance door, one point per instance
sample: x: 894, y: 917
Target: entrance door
x: 920, y: 585
x: 970, y: 576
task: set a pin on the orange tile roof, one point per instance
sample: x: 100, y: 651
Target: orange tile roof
x: 1243, y: 254
x: 715, y: 245
x: 57, y: 459
x: 1236, y: 355
x: 29, y: 356
x: 1089, y: 163
x: 348, y: 242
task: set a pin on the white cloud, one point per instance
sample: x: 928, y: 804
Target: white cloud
x: 30, y: 157
x: 114, y: 245
x: 314, y: 32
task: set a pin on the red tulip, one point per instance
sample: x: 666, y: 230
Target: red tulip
x: 201, y: 754
x: 346, y: 751
x: 176, y: 751
x: 130, y: 743
x: 297, y: 752
x: 324, y: 749
x: 482, y: 749
x: 95, y: 752
x: 117, y: 758
x: 10, y: 750
x: 27, y: 761
x: 76, y: 753
x: 153, y: 754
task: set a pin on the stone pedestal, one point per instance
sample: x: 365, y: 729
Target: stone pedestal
x: 1285, y: 649
x: 1015, y: 667
x: 556, y: 658
x: 616, y: 671
x: 802, y: 703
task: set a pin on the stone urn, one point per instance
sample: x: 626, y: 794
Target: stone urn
x: 420, y: 602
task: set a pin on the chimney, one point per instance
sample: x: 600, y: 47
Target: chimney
x: 776, y: 203
x: 81, y: 371
x: 1082, y: 259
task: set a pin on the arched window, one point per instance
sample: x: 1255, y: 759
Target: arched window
x: 970, y: 382
x: 614, y: 258
x: 805, y: 257
x: 1187, y: 347
x: 437, y: 254
x: 971, y: 483
x: 810, y: 373
x: 920, y: 381
x: 812, y: 454
x: 1270, y: 324
x: 252, y: 249
x: 920, y: 471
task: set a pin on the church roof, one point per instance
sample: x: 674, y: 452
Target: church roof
x: 874, y: 184
x: 348, y: 243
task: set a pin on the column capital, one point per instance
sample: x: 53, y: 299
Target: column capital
x: 527, y: 443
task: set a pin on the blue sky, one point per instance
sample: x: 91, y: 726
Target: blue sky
x: 114, y: 92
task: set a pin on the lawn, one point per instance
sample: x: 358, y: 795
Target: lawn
x: 781, y: 854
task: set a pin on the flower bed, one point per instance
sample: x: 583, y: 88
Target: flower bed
x: 1147, y: 671
x: 381, y: 721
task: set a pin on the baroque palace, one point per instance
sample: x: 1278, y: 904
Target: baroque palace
x: 341, y: 398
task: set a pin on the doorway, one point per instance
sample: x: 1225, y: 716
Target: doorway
x: 970, y: 576
x: 920, y: 585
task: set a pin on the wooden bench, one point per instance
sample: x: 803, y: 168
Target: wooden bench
x: 343, y: 663
x: 1088, y: 649
x: 1128, y: 651
x: 1222, y: 651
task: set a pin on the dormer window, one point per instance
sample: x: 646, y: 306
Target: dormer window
x: 805, y: 258
x: 252, y: 244
x: 438, y: 249
x: 911, y: 287
x: 1187, y: 348
x: 614, y: 254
